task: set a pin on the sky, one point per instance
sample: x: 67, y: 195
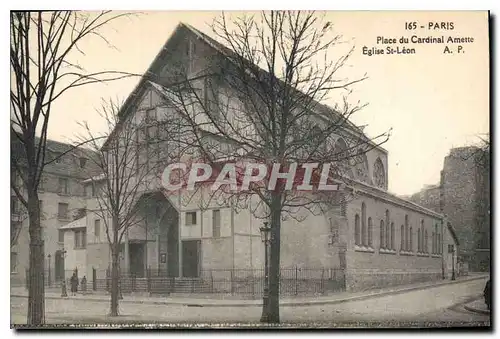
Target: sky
x: 430, y: 100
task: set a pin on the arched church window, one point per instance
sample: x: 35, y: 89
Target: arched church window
x: 419, y: 249
x: 379, y: 174
x: 364, y: 240
x: 426, y: 242
x: 411, y: 239
x: 356, y: 230
x: 387, y: 230
x: 402, y: 247
x: 407, y: 225
x: 393, y: 247
x: 433, y: 243
x: 382, y: 234
x: 370, y: 232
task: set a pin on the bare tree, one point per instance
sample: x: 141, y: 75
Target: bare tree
x: 130, y: 163
x: 18, y: 216
x: 258, y: 98
x: 41, y: 72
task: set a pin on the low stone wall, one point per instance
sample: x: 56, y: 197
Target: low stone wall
x: 361, y: 280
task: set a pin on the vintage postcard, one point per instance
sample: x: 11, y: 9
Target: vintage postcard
x: 250, y: 169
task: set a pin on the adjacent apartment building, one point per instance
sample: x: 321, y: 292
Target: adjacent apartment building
x: 61, y: 194
x: 463, y: 195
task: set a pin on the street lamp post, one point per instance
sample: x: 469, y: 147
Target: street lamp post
x: 453, y: 277
x: 265, y: 233
x: 451, y: 249
x: 49, y: 256
x: 64, y: 292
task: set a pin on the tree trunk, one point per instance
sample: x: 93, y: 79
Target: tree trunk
x: 36, y: 294
x: 114, y: 279
x: 274, y: 262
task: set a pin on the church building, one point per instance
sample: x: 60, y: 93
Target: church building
x: 375, y: 239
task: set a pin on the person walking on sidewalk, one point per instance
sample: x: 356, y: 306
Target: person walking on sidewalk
x: 84, y: 284
x: 487, y: 295
x: 74, y: 284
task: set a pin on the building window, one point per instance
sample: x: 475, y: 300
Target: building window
x: 151, y: 116
x: 433, y: 243
x: 83, y: 162
x: 364, y: 240
x: 407, y: 244
x: 190, y: 218
x: 419, y: 244
x: 216, y: 223
x: 402, y: 246
x: 435, y: 240
x: 393, y: 247
x: 63, y: 186
x: 382, y: 234
x: 97, y: 228
x: 426, y: 242
x: 357, y: 235
x: 411, y: 239
x: 387, y: 230
x: 62, y: 211
x: 80, y: 238
x: 421, y: 238
x: 13, y: 262
x: 370, y: 232
x: 61, y: 236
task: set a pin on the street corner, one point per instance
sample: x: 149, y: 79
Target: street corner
x: 477, y: 306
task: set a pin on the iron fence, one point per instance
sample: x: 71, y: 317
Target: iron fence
x: 248, y: 283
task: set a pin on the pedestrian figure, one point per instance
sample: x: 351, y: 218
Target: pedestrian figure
x: 84, y: 284
x: 74, y: 284
x: 487, y: 295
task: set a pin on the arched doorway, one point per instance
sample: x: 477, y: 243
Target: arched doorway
x: 160, y: 245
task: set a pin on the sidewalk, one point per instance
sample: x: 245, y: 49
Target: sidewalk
x: 477, y: 306
x: 212, y: 302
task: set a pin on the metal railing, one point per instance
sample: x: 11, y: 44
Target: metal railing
x: 248, y: 283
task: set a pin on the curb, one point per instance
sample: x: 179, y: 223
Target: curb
x: 282, y: 304
x: 476, y: 310
x: 375, y: 295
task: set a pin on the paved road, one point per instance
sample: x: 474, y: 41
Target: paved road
x: 417, y: 308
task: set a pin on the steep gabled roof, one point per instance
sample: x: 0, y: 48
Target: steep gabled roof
x: 322, y: 110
